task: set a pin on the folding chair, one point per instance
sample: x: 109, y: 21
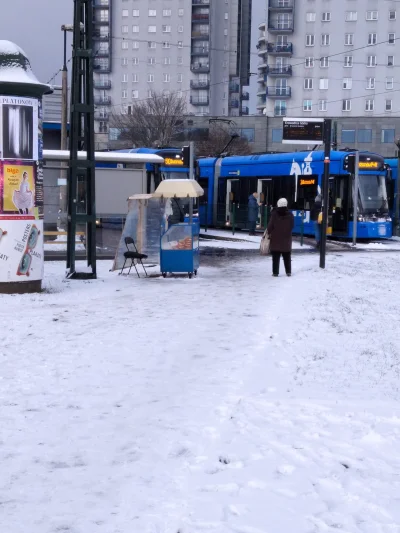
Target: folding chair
x: 133, y: 255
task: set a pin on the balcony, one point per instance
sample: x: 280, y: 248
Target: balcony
x: 103, y: 117
x: 245, y: 96
x: 200, y: 68
x: 202, y: 17
x: 200, y: 2
x: 280, y: 49
x: 263, y: 65
x: 245, y: 110
x: 234, y: 104
x: 101, y: 22
x: 199, y: 84
x: 277, y: 26
x: 261, y: 102
x: 262, y: 38
x: 101, y: 4
x: 99, y: 84
x: 282, y: 6
x: 200, y: 51
x: 234, y: 87
x: 279, y: 92
x: 200, y: 34
x: 262, y: 78
x: 97, y: 36
x: 102, y: 100
x: 261, y: 26
x: 203, y: 101
x: 101, y: 53
x: 101, y: 69
x: 262, y: 50
x: 281, y: 71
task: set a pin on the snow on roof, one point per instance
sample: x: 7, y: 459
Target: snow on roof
x: 15, y: 67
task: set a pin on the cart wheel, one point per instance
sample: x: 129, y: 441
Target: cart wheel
x: 190, y: 275
x: 195, y: 272
x: 164, y: 274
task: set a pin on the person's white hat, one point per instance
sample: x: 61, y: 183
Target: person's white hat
x: 282, y: 202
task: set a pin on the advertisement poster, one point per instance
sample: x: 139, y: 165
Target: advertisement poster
x: 18, y: 189
x: 19, y: 134
x: 21, y: 250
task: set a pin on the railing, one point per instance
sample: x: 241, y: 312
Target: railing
x: 102, y: 100
x: 234, y: 88
x: 274, y: 48
x: 103, y: 117
x: 200, y: 16
x: 234, y: 104
x: 279, y: 91
x: 199, y: 84
x: 281, y: 4
x: 280, y: 26
x: 197, y: 67
x: 101, y: 4
x: 201, y: 2
x: 245, y: 110
x: 102, y: 84
x: 200, y: 51
x: 285, y: 70
x: 200, y: 34
x: 246, y: 96
x: 199, y: 101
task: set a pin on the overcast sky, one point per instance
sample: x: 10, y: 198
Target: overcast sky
x: 35, y: 26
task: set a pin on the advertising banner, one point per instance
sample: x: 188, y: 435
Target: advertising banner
x: 19, y: 132
x: 21, y: 250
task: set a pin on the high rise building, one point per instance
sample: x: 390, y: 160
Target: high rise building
x: 198, y: 49
x: 328, y: 58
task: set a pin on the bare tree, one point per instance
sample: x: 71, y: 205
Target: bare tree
x: 156, y: 120
x: 218, y: 138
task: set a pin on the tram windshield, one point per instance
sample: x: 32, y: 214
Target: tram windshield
x: 373, y: 194
x: 172, y: 175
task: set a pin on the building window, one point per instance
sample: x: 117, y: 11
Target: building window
x: 348, y: 136
x: 180, y: 44
x: 324, y: 62
x: 152, y: 29
x: 150, y: 78
x: 248, y: 134
x: 310, y: 17
x: 371, y: 15
x: 388, y: 105
x: 135, y: 45
x: 325, y: 39
x: 180, y: 60
x: 348, y: 61
x: 152, y: 45
x: 125, y: 29
x: 135, y: 94
x: 135, y: 13
x: 369, y: 104
x: 180, y: 29
x: 326, y: 17
x: 152, y: 12
x: 124, y: 78
x: 135, y: 29
x: 349, y: 39
x: 124, y: 94
x: 166, y: 44
x: 322, y: 105
x: 388, y: 136
x: 180, y: 78
x: 167, y: 60
x: 347, y: 83
x: 323, y: 84
x: 372, y: 39
x: 389, y: 83
x: 346, y: 105
x: 125, y: 13
x: 180, y: 12
x: 166, y: 78
x: 308, y: 83
x: 226, y: 16
x: 392, y: 15
x: 151, y: 60
x: 124, y: 61
x: 277, y: 135
x: 166, y: 29
x: 390, y: 61
x: 124, y: 45
x: 364, y: 136
x: 280, y: 108
x: 309, y: 62
x: 310, y: 40
x: 307, y: 105
x: 351, y: 16
x: 167, y: 12
x: 135, y: 78
x: 371, y: 61
x: 225, y: 32
x: 370, y: 83
x: 391, y: 38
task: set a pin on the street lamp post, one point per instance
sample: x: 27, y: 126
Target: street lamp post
x: 64, y: 117
x: 396, y: 225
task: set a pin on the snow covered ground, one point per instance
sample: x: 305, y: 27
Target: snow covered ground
x: 240, y: 240
x: 231, y: 403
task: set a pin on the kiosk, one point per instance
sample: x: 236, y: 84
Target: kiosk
x: 179, y: 243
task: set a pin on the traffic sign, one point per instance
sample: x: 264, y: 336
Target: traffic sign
x: 300, y: 131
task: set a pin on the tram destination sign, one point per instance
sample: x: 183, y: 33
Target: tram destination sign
x: 300, y: 131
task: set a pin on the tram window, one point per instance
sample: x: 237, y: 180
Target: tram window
x: 203, y: 182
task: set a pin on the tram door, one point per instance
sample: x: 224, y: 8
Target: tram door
x: 339, y: 203
x: 265, y: 191
x: 232, y: 196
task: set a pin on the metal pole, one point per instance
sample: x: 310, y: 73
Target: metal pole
x: 64, y: 122
x: 191, y: 176
x: 302, y: 228
x: 233, y: 218
x: 397, y: 195
x: 355, y: 197
x: 325, y: 189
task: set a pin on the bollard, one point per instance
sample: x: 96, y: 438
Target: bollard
x: 21, y: 178
x: 302, y: 228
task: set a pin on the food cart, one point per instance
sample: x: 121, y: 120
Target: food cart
x: 179, y: 243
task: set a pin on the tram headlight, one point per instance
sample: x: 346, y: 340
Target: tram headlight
x: 360, y: 218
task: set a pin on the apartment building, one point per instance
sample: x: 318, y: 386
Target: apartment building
x: 329, y: 58
x: 198, y: 49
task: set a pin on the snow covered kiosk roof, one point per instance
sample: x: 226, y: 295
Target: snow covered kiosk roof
x: 16, y: 76
x: 178, y: 189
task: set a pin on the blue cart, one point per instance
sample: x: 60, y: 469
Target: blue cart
x: 180, y: 249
